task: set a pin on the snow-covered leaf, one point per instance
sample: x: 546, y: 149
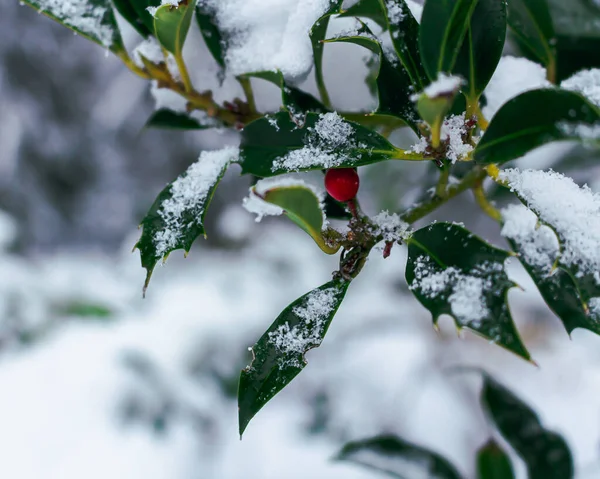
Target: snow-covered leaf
x: 535, y: 118
x: 531, y: 24
x: 278, y: 356
x: 317, y: 35
x: 394, y: 85
x: 453, y: 272
x: 213, y: 37
x: 493, y: 462
x: 538, y: 249
x: 397, y: 458
x: 94, y: 19
x: 172, y: 24
x: 165, y: 118
x: 300, y: 202
x: 482, y: 47
x: 443, y: 29
x: 275, y: 145
x: 176, y: 218
x: 129, y: 13
x: 545, y: 453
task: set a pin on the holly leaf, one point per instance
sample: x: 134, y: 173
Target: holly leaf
x: 404, y: 32
x: 141, y: 8
x: 453, y: 272
x: 531, y: 24
x: 275, y: 145
x: 545, y: 453
x: 215, y: 42
x: 317, y: 35
x: 394, y: 85
x: 533, y: 119
x: 126, y: 9
x: 443, y: 29
x: 93, y: 19
x: 538, y: 249
x: 397, y: 458
x: 165, y: 118
x: 172, y: 24
x: 493, y: 462
x: 278, y: 356
x: 300, y: 203
x: 176, y: 218
x: 482, y: 47
x: 367, y: 9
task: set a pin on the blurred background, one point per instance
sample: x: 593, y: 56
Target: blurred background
x: 97, y: 382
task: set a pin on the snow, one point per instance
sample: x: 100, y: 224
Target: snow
x: 572, y: 211
x: 465, y: 292
x: 327, y: 144
x: 410, y: 466
x: 586, y: 82
x: 390, y: 226
x: 453, y: 132
x: 537, y: 244
x: 173, y: 3
x: 189, y: 195
x: 81, y: 15
x: 587, y: 133
x: 268, y: 34
x: 444, y: 85
x: 394, y: 10
x: 416, y: 9
x: 512, y: 77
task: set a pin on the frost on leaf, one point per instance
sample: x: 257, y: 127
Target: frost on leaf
x: 278, y: 356
x: 176, y: 218
x: 445, y: 85
x: 390, y: 227
x: 453, y: 135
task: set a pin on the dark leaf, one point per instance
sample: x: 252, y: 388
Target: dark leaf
x: 533, y: 119
x: 367, y: 9
x: 278, y: 356
x: 125, y: 8
x: 397, y: 458
x: 493, y: 462
x: 178, y: 121
x: 97, y: 24
x: 141, y: 8
x: 453, y: 272
x: 213, y: 38
x: 335, y: 210
x: 482, y: 47
x: 443, y: 29
x: 394, y: 85
x: 176, y: 218
x: 172, y: 24
x: 545, y: 453
x: 275, y: 145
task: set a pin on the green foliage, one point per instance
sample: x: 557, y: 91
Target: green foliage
x: 177, y: 121
x: 397, y: 458
x: 533, y: 119
x: 278, y: 356
x: 493, y: 462
x: 453, y: 272
x: 212, y: 35
x: 545, y: 453
x: 172, y: 24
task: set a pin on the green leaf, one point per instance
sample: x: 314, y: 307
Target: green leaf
x: 178, y: 121
x: 141, y: 8
x: 93, y: 19
x: 538, y: 250
x: 533, y: 119
x: 126, y: 9
x: 171, y: 25
x: 367, y: 9
x: 493, y: 462
x: 278, y: 356
x: 275, y: 145
x: 545, y: 453
x: 394, y: 85
x: 301, y: 204
x: 335, y: 209
x: 531, y: 23
x: 317, y: 35
x: 176, y: 218
x: 482, y: 48
x: 205, y: 16
x: 404, y: 31
x: 397, y: 458
x: 443, y: 29
x: 453, y: 272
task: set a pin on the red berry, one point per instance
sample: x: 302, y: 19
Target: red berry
x: 342, y: 183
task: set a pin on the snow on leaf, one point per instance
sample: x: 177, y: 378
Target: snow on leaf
x: 390, y: 227
x: 586, y: 82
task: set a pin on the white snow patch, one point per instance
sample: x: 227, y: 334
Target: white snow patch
x: 445, y: 85
x: 391, y: 227
x: 173, y: 3
x: 537, y: 244
x: 416, y: 9
x: 188, y: 197
x: 151, y: 50
x: 572, y: 211
x: 512, y: 77
x: 587, y: 133
x: 81, y: 15
x: 394, y: 10
x: 453, y: 131
x: 586, y: 82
